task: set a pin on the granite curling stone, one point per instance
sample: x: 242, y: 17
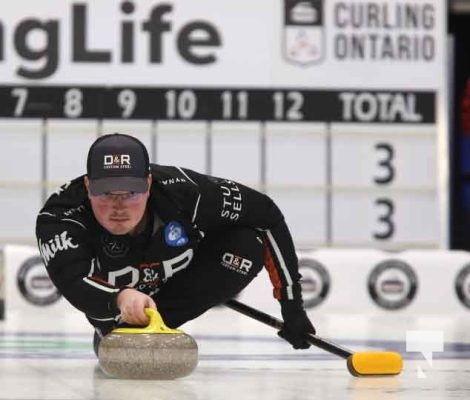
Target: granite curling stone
x: 153, y: 352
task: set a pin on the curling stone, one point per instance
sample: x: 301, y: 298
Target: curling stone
x: 152, y: 352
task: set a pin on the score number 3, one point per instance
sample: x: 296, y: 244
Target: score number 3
x: 386, y: 205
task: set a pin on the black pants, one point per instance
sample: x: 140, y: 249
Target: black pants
x: 224, y: 263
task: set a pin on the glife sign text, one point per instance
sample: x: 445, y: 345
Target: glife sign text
x: 37, y: 40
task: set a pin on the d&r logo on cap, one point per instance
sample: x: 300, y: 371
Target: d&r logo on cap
x: 117, y: 161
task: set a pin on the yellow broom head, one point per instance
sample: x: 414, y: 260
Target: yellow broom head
x: 375, y: 363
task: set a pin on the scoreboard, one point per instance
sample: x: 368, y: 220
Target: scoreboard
x: 217, y: 104
x: 341, y: 181
x: 348, y: 140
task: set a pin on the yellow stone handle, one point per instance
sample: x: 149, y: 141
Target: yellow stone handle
x: 156, y: 325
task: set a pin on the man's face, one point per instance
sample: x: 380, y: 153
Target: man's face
x: 119, y: 212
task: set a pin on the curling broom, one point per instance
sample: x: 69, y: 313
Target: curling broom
x: 370, y: 363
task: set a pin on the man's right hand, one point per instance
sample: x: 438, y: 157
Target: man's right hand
x: 132, y: 303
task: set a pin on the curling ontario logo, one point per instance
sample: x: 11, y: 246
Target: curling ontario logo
x: 304, y: 42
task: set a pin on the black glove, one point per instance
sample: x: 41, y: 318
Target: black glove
x: 296, y: 325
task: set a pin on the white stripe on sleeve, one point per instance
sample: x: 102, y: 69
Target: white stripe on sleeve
x: 290, y: 295
x: 195, y: 208
x: 102, y: 319
x: 186, y: 175
x: 72, y: 220
x: 98, y: 286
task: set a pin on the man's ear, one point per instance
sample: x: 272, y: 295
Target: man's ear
x: 149, y: 180
x: 86, y: 181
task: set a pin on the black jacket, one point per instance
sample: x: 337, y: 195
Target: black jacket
x: 89, y: 265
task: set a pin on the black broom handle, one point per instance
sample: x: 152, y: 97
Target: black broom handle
x: 278, y: 324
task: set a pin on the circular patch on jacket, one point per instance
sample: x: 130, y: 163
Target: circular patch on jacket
x: 175, y: 235
x: 113, y: 247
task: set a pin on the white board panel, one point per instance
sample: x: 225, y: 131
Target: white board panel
x: 296, y: 154
x: 236, y: 151
x: 68, y: 143
x: 182, y: 144
x: 384, y: 219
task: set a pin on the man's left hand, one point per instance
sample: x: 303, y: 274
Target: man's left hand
x: 296, y: 325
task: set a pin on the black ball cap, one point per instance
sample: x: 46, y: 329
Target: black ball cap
x: 117, y: 162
